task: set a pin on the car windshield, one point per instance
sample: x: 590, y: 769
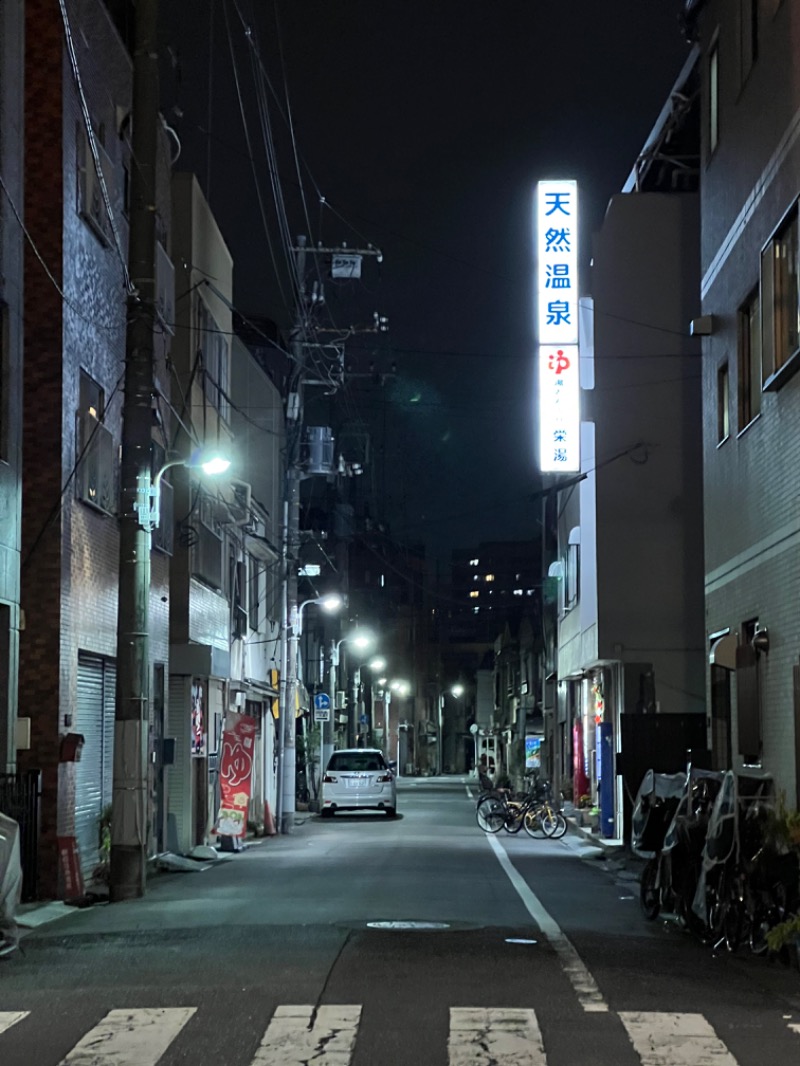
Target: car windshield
x: 356, y: 760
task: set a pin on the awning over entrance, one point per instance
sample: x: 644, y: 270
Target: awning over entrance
x: 723, y: 651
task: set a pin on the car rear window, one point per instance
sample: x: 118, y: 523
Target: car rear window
x: 346, y: 760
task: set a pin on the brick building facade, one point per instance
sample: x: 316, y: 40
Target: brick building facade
x: 75, y: 313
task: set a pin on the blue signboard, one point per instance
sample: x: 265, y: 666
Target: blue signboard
x: 322, y: 702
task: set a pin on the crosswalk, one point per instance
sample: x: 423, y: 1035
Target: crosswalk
x: 328, y: 1035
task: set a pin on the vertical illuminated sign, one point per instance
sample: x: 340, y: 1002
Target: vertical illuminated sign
x: 556, y: 254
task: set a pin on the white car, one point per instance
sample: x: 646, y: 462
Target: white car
x: 358, y: 779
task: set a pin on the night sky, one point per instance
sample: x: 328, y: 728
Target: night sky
x: 425, y: 126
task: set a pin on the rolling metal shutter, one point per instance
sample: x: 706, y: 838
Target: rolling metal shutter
x: 94, y: 772
x: 179, y: 774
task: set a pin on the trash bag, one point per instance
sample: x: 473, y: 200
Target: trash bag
x: 10, y: 884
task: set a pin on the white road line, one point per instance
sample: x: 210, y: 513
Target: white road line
x: 130, y: 1037
x: 585, y: 986
x: 469, y: 792
x: 295, y: 1037
x: 11, y: 1017
x: 675, y: 1039
x: 795, y: 1028
x: 494, y: 1036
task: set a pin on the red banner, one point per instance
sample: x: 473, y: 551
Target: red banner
x: 235, y: 773
x: 70, y: 867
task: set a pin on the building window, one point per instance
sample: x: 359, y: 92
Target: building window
x: 95, y: 482
x: 254, y: 591
x: 749, y: 360
x: 748, y: 697
x: 780, y: 311
x: 213, y: 346
x: 207, y: 544
x: 713, y: 98
x: 723, y: 404
x: 748, y: 34
x: 90, y: 200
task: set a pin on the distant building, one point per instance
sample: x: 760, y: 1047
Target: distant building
x: 748, y: 314
x: 627, y: 571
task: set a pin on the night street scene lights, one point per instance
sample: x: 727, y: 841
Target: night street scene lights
x: 362, y: 640
x: 209, y: 460
x: 330, y: 602
x: 287, y: 766
x: 455, y: 690
x: 128, y: 856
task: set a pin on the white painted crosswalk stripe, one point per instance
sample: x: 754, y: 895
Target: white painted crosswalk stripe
x: 327, y: 1036
x: 130, y: 1037
x: 494, y: 1036
x: 665, y: 1039
x: 296, y: 1035
x: 11, y: 1017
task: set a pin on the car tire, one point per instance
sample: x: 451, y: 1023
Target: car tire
x: 326, y: 812
x: 391, y: 812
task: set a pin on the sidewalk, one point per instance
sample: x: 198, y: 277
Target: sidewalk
x: 167, y: 877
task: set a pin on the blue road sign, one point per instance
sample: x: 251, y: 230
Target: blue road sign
x: 322, y: 702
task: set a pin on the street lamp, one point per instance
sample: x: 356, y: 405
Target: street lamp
x: 141, y: 514
x: 401, y: 689
x: 376, y: 665
x: 362, y: 640
x: 330, y: 602
x: 455, y: 690
x: 287, y: 769
x: 148, y: 494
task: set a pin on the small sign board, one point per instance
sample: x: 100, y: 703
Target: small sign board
x: 346, y: 266
x: 322, y: 707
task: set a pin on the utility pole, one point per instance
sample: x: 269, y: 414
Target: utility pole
x: 129, y: 819
x: 345, y: 262
x: 294, y: 417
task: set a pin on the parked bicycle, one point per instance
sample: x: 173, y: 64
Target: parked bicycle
x: 669, y: 823
x: 500, y: 809
x: 750, y: 880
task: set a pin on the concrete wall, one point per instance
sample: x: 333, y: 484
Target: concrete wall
x: 649, y: 502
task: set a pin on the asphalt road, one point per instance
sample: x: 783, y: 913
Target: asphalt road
x: 537, y: 954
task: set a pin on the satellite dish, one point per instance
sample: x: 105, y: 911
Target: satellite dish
x: 473, y: 728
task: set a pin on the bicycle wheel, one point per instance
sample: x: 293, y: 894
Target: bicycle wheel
x: 515, y: 816
x: 648, y: 891
x: 491, y: 815
x: 533, y: 823
x: 560, y: 827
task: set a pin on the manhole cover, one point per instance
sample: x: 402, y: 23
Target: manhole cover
x: 518, y: 940
x: 408, y: 925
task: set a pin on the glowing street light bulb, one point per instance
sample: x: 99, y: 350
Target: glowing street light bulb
x: 215, y: 465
